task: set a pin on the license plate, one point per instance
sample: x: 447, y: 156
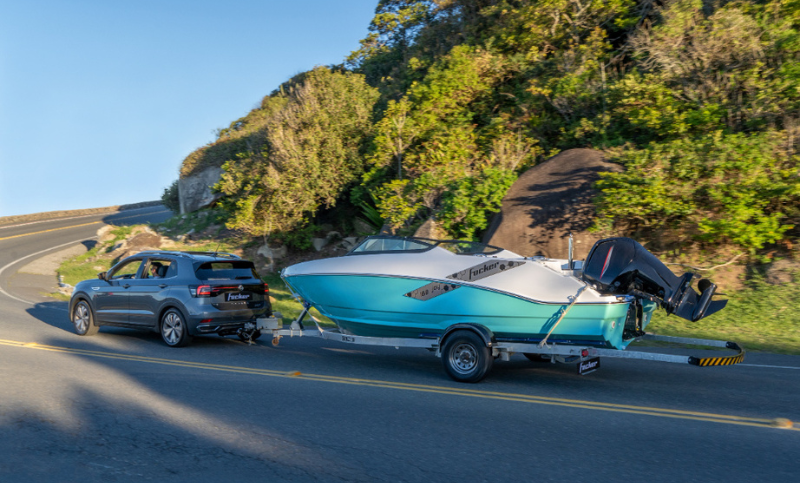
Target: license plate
x: 235, y: 297
x: 587, y: 366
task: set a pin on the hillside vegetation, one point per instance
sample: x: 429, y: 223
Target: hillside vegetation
x: 446, y: 101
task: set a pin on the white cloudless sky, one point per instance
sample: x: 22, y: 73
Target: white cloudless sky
x: 100, y: 101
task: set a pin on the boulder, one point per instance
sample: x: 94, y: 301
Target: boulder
x: 144, y: 239
x: 194, y: 191
x: 362, y: 228
x: 782, y: 272
x: 266, y: 258
x: 549, y: 201
x: 319, y: 243
x: 349, y: 242
x: 279, y: 252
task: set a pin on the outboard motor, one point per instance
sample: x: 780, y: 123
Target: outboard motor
x: 621, y: 266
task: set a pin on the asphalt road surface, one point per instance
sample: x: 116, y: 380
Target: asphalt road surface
x: 122, y: 406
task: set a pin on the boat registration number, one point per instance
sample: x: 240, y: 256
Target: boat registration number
x: 588, y: 366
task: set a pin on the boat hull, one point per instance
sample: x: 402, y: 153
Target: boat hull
x: 380, y: 306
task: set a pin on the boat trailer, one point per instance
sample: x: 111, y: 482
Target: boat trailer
x: 460, y: 367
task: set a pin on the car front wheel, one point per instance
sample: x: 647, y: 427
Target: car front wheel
x: 83, y: 319
x: 173, y: 329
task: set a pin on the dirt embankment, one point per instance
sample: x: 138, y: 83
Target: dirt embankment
x: 52, y: 215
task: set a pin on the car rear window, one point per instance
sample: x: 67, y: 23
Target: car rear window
x: 233, y: 270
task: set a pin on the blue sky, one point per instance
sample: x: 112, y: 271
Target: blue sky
x: 100, y: 101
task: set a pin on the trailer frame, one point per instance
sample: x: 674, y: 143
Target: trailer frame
x: 586, y: 357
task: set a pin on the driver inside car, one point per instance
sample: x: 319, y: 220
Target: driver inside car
x: 153, y: 270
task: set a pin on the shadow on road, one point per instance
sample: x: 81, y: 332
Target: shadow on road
x: 154, y: 214
x: 52, y: 313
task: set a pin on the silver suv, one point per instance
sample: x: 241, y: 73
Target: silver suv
x: 179, y: 294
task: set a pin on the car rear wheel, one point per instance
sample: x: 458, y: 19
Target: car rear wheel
x: 83, y: 319
x: 173, y: 329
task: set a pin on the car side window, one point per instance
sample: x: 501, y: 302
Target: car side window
x: 160, y: 268
x: 128, y: 270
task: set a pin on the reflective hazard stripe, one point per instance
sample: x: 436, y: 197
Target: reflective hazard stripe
x: 720, y: 361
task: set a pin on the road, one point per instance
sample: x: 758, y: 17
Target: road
x: 122, y: 406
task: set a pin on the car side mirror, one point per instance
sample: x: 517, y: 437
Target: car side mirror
x: 101, y: 275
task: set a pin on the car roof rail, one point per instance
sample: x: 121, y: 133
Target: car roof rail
x: 214, y: 254
x: 163, y: 252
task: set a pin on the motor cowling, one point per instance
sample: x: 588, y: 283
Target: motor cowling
x: 621, y: 266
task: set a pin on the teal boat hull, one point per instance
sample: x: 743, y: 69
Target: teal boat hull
x: 378, y: 306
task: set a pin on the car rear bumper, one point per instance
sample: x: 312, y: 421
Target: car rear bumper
x: 222, y: 322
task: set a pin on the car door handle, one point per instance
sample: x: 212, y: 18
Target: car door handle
x: 163, y: 285
x: 127, y: 285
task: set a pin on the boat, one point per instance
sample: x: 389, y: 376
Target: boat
x: 419, y: 288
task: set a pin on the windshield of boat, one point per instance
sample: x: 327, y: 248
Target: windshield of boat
x: 384, y: 243
x: 391, y: 244
x: 467, y: 247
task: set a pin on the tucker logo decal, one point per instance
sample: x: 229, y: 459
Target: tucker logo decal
x: 484, y: 270
x: 591, y: 365
x: 487, y: 269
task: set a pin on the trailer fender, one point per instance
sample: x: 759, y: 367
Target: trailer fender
x: 482, y: 331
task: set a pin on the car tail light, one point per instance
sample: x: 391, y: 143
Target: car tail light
x: 266, y: 289
x: 203, y: 291
x: 206, y: 321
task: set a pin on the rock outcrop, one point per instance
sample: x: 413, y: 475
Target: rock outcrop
x: 548, y: 202
x: 194, y: 191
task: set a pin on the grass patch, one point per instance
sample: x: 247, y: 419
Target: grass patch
x: 762, y: 317
x: 197, y: 221
x: 84, y: 266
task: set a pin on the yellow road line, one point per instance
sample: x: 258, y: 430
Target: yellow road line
x: 47, y: 231
x: 523, y: 398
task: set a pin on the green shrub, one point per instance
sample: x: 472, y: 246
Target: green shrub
x: 171, y: 199
x: 715, y: 189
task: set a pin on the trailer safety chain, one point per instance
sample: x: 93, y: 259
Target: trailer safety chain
x: 720, y: 361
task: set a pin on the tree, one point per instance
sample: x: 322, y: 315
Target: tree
x: 313, y: 150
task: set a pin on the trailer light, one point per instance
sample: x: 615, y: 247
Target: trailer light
x: 585, y: 353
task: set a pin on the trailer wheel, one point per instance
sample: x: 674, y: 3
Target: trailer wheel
x: 466, y: 357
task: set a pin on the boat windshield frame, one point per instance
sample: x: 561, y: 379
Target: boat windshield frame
x: 424, y: 244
